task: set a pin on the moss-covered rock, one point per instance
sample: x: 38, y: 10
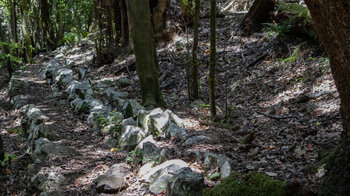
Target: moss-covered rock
x: 253, y: 184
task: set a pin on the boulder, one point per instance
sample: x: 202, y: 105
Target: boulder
x: 131, y: 136
x: 175, y: 131
x: 98, y: 112
x: 50, y: 69
x: 131, y: 109
x: 147, y: 139
x: 150, y: 152
x: 225, y: 170
x: 15, y: 86
x: 81, y: 73
x: 19, y: 101
x: 200, y: 139
x: 109, y: 142
x: 144, y: 119
x: 212, y: 161
x: 31, y: 114
x: 63, y: 77
x: 113, y: 129
x: 112, y: 95
x: 77, y: 89
x: 124, y: 82
x: 175, y: 119
x: 41, y: 130
x: 113, y: 181
x: 44, y: 149
x: 186, y: 182
x: 129, y: 121
x: 159, y: 178
x: 164, y: 155
x: 53, y: 182
x: 79, y: 106
x: 159, y: 123
x: 103, y: 84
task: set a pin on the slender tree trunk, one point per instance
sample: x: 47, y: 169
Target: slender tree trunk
x: 212, y: 59
x: 195, y: 83
x: 46, y: 25
x: 117, y: 21
x: 13, y: 20
x: 6, y: 49
x: 1, y: 150
x: 332, y: 22
x: 27, y: 38
x: 145, y: 52
x: 129, y: 26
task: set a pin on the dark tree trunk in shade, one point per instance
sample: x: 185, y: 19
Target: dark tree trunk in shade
x: 212, y: 59
x: 145, y: 52
x: 1, y: 150
x: 5, y: 48
x: 46, y: 25
x: 332, y: 22
x: 13, y: 20
x: 195, y: 83
x: 259, y: 13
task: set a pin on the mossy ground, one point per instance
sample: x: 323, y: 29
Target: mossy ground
x: 253, y: 184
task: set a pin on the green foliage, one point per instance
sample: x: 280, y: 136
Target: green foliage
x: 8, y: 56
x: 298, y: 14
x: 68, y: 38
x: 8, y: 159
x: 253, y: 184
x: 135, y: 157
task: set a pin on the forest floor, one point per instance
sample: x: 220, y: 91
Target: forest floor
x: 278, y: 89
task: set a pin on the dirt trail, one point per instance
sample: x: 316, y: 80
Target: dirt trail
x: 73, y: 131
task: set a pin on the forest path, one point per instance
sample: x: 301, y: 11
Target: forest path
x: 73, y: 131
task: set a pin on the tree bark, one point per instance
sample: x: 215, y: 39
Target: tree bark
x: 6, y: 49
x: 27, y: 38
x: 332, y: 22
x: 212, y: 59
x: 46, y: 25
x: 145, y: 52
x: 13, y: 20
x: 158, y: 16
x: 1, y: 150
x: 258, y: 14
x: 195, y: 84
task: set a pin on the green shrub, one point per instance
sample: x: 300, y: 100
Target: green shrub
x: 253, y: 184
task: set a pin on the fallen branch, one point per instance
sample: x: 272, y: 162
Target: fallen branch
x: 260, y: 58
x: 277, y: 117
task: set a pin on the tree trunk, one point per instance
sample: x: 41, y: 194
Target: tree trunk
x: 46, y: 25
x: 6, y: 49
x: 13, y: 21
x: 332, y: 22
x: 195, y: 84
x: 1, y: 150
x: 145, y: 52
x: 158, y: 16
x: 258, y: 14
x: 212, y: 59
x: 27, y: 38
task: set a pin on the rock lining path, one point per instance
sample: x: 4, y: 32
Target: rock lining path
x: 72, y: 131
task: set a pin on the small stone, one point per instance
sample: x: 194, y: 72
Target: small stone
x: 271, y: 174
x: 124, y: 82
x: 225, y: 170
x: 201, y: 139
